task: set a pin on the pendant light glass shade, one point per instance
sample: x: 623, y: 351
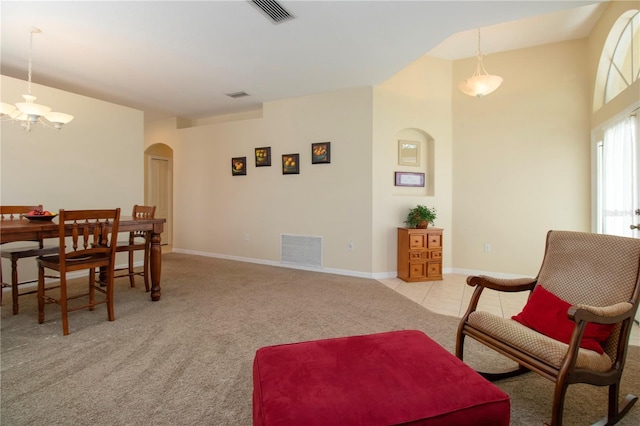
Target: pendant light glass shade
x: 8, y: 109
x: 30, y: 108
x: 58, y: 119
x: 481, y: 83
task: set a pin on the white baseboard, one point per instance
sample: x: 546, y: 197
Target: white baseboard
x: 346, y: 272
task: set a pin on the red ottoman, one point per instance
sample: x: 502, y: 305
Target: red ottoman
x: 398, y: 377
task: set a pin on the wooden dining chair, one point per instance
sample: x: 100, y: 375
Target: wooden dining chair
x: 93, y: 235
x: 138, y: 241
x: 15, y: 253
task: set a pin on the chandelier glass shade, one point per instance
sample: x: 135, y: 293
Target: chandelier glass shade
x: 29, y: 113
x: 481, y: 83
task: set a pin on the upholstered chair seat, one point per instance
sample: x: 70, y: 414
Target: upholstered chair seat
x: 540, y: 346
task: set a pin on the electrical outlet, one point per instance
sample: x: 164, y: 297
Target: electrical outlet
x: 246, y: 237
x: 350, y: 246
x: 487, y: 248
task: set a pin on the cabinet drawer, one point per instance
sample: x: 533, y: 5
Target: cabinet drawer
x: 434, y: 269
x: 435, y: 240
x: 418, y: 255
x: 435, y: 254
x: 417, y: 241
x: 417, y: 270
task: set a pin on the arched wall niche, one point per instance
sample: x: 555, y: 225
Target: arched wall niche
x: 425, y: 160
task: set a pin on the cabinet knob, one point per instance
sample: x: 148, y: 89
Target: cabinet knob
x: 635, y: 226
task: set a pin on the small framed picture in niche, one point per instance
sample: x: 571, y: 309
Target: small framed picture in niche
x: 239, y: 166
x: 263, y: 156
x: 409, y: 179
x: 291, y: 164
x: 321, y: 153
x: 408, y: 153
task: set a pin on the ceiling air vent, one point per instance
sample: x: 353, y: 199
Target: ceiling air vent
x: 273, y: 10
x: 236, y: 95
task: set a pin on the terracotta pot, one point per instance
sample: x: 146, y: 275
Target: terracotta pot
x: 422, y: 224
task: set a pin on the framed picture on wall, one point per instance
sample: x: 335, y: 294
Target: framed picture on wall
x: 408, y: 153
x: 321, y: 153
x: 239, y: 166
x: 263, y: 156
x: 291, y: 164
x: 409, y: 179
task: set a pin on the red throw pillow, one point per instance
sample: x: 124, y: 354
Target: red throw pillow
x: 546, y: 313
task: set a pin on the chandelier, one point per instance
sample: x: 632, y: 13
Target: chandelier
x: 481, y: 83
x: 28, y: 113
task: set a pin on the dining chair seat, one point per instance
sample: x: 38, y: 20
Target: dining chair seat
x: 74, y: 264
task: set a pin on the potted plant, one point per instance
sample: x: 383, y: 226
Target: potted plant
x: 420, y: 216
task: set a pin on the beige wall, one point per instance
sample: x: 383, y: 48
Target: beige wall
x: 521, y: 159
x: 504, y: 169
x: 507, y: 168
x: 214, y: 211
x: 353, y: 199
x: 93, y: 162
x: 101, y: 149
x: 413, y: 103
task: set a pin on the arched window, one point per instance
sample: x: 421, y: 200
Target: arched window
x: 619, y: 64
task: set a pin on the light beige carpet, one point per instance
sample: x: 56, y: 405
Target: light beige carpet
x: 187, y: 359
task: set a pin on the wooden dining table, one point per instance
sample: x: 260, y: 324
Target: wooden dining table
x: 27, y: 230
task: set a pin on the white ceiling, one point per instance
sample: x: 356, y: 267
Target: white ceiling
x: 177, y: 58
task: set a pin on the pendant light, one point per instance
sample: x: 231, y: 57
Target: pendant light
x: 481, y: 83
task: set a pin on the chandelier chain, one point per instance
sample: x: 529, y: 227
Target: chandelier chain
x: 30, y: 60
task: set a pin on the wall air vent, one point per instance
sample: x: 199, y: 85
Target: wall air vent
x: 301, y: 250
x: 236, y: 95
x: 273, y: 10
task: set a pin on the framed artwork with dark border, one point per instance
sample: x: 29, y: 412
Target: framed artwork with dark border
x: 239, y: 166
x: 409, y: 179
x: 263, y: 156
x: 321, y: 153
x: 291, y: 164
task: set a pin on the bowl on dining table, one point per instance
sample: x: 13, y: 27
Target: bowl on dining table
x: 40, y: 217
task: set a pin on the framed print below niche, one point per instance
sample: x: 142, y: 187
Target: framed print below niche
x: 239, y: 166
x: 291, y: 164
x: 409, y: 179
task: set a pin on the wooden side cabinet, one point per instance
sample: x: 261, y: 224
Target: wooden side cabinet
x: 419, y: 254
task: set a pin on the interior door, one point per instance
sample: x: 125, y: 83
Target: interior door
x: 160, y: 193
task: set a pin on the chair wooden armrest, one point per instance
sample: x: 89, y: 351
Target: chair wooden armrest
x: 480, y: 282
x: 601, y: 314
x: 502, y: 284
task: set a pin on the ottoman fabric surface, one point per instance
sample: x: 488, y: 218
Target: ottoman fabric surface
x: 392, y: 378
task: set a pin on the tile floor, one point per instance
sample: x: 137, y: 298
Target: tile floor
x: 451, y: 297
